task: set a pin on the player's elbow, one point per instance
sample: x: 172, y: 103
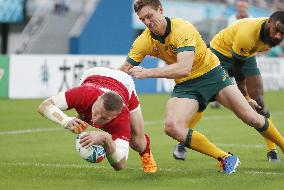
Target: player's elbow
x: 43, y: 106
x: 184, y: 70
x: 184, y: 73
x: 40, y: 108
x: 120, y: 165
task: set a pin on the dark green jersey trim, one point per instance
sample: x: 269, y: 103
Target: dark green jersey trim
x: 132, y: 62
x: 185, y: 48
x: 162, y: 39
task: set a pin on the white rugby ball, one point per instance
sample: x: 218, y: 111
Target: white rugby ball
x: 93, y: 154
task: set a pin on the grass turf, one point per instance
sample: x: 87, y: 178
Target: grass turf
x: 37, y: 154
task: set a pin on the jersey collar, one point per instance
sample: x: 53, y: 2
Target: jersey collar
x: 162, y: 39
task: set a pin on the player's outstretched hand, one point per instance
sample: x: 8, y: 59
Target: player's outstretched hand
x: 138, y: 72
x: 76, y: 125
x: 253, y: 104
x: 92, y: 138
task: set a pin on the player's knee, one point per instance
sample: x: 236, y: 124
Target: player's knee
x: 252, y: 119
x: 170, y: 128
x: 119, y: 165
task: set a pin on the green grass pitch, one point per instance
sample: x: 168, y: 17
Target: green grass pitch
x: 36, y: 154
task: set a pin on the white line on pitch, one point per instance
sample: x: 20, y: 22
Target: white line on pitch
x: 241, y: 145
x: 96, y: 166
x: 25, y: 131
x: 264, y: 173
x: 147, y: 123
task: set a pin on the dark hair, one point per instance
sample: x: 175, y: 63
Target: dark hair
x: 277, y: 16
x: 139, y: 4
x: 112, y: 101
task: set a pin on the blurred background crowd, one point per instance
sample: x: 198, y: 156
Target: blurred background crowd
x: 108, y: 27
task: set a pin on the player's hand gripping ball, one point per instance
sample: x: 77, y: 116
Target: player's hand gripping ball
x: 93, y: 154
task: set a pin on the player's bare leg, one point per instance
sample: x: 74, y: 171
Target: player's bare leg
x: 179, y: 112
x: 179, y: 152
x: 233, y: 99
x: 255, y: 89
x: 140, y: 141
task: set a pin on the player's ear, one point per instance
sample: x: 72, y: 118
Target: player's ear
x: 160, y: 9
x: 270, y: 21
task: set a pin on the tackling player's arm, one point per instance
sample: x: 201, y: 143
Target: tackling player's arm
x: 52, y: 108
x: 184, y: 41
x: 125, y: 67
x: 238, y: 74
x: 241, y: 80
x: 139, y: 49
x: 242, y: 50
x: 177, y: 70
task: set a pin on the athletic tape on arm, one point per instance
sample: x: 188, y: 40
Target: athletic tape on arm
x: 121, y: 151
x: 54, y: 113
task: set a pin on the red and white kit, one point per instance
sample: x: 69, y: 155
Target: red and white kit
x: 93, y: 83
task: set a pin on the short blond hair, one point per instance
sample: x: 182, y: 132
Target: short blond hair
x: 139, y: 4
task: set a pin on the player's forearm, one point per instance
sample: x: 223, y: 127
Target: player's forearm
x: 118, y: 158
x: 237, y: 68
x: 53, y: 113
x: 107, y: 142
x: 173, y: 71
x: 114, y: 156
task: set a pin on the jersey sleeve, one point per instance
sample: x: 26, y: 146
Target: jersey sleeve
x: 59, y: 101
x: 185, y: 38
x: 242, y: 47
x: 139, y: 50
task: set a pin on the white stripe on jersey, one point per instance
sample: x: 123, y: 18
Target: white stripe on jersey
x: 118, y: 75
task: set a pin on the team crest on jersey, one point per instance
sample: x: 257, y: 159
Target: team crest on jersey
x: 253, y: 50
x: 244, y: 51
x: 185, y: 41
x: 156, y: 50
x: 173, y: 48
x: 225, y: 75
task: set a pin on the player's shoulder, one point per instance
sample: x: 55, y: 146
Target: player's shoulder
x: 143, y: 41
x: 145, y: 35
x: 249, y: 28
x: 250, y: 23
x: 179, y: 23
x: 180, y: 26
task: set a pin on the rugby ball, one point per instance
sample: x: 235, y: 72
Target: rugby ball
x: 93, y: 154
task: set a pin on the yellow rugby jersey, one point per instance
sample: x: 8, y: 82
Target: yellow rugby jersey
x: 180, y: 36
x: 241, y: 39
